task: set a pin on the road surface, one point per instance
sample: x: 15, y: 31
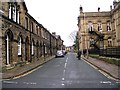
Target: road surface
x: 64, y: 72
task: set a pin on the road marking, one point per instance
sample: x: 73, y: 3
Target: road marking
x: 102, y: 72
x: 63, y: 79
x: 65, y: 65
x: 27, y: 73
x: 118, y: 82
x: 66, y: 59
x: 62, y: 84
x: 10, y: 82
x: 63, y: 71
x: 30, y: 83
x: 105, y: 82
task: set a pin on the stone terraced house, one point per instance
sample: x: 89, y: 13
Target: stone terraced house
x: 22, y: 38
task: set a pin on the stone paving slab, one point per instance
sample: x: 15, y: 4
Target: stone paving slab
x: 111, y: 69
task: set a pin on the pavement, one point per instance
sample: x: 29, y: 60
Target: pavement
x: 18, y: 71
x: 110, y: 69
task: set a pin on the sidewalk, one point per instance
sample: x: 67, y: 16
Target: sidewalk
x: 10, y: 74
x: 108, y: 68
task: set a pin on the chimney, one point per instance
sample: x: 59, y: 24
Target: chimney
x: 98, y: 9
x: 81, y: 8
x: 111, y: 8
x: 54, y: 33
x: 114, y: 3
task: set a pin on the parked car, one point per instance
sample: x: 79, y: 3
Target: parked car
x: 65, y: 52
x: 60, y: 53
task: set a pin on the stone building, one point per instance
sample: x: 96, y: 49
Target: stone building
x: 99, y: 30
x: 22, y: 38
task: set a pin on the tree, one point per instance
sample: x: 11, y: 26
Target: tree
x: 73, y: 37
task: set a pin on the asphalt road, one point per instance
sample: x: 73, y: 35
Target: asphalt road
x: 66, y: 72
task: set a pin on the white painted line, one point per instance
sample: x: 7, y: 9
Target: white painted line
x: 117, y: 82
x: 63, y: 71
x: 102, y: 72
x: 66, y: 59
x: 63, y: 79
x: 27, y: 73
x: 65, y: 65
x: 10, y: 82
x: 30, y: 83
x: 105, y: 82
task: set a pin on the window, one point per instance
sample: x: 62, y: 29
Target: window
x: 26, y: 22
x: 90, y: 26
x: 14, y: 12
x: 18, y: 17
x: 32, y: 27
x: 37, y: 49
x: 45, y: 50
x: 32, y: 52
x: 91, y: 41
x: 42, y: 32
x: 19, y: 46
x: 99, y: 26
x: 108, y: 26
x: 37, y: 28
x: 109, y: 42
x: 10, y: 9
x: 7, y: 50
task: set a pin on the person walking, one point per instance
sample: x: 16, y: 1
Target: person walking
x: 79, y: 54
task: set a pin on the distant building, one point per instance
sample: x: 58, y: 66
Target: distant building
x: 69, y: 48
x: 98, y: 30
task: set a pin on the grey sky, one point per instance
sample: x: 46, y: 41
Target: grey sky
x: 60, y: 16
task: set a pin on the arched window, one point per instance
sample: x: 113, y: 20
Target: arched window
x: 37, y: 51
x: 18, y: 17
x: 19, y: 45
x: 14, y: 13
x: 32, y: 48
x: 32, y: 27
x: 7, y: 50
x: 10, y: 9
x: 8, y: 46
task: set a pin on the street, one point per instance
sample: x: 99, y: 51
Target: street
x: 63, y: 72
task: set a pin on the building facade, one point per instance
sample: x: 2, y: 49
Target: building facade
x: 22, y: 38
x: 99, y: 30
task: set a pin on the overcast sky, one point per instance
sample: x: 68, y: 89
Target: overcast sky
x: 60, y: 16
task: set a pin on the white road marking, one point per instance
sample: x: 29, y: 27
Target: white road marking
x: 30, y: 83
x: 117, y: 82
x: 27, y: 73
x: 63, y: 79
x: 66, y: 59
x: 10, y: 82
x: 63, y: 71
x: 102, y: 72
x: 65, y: 65
x: 104, y: 82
